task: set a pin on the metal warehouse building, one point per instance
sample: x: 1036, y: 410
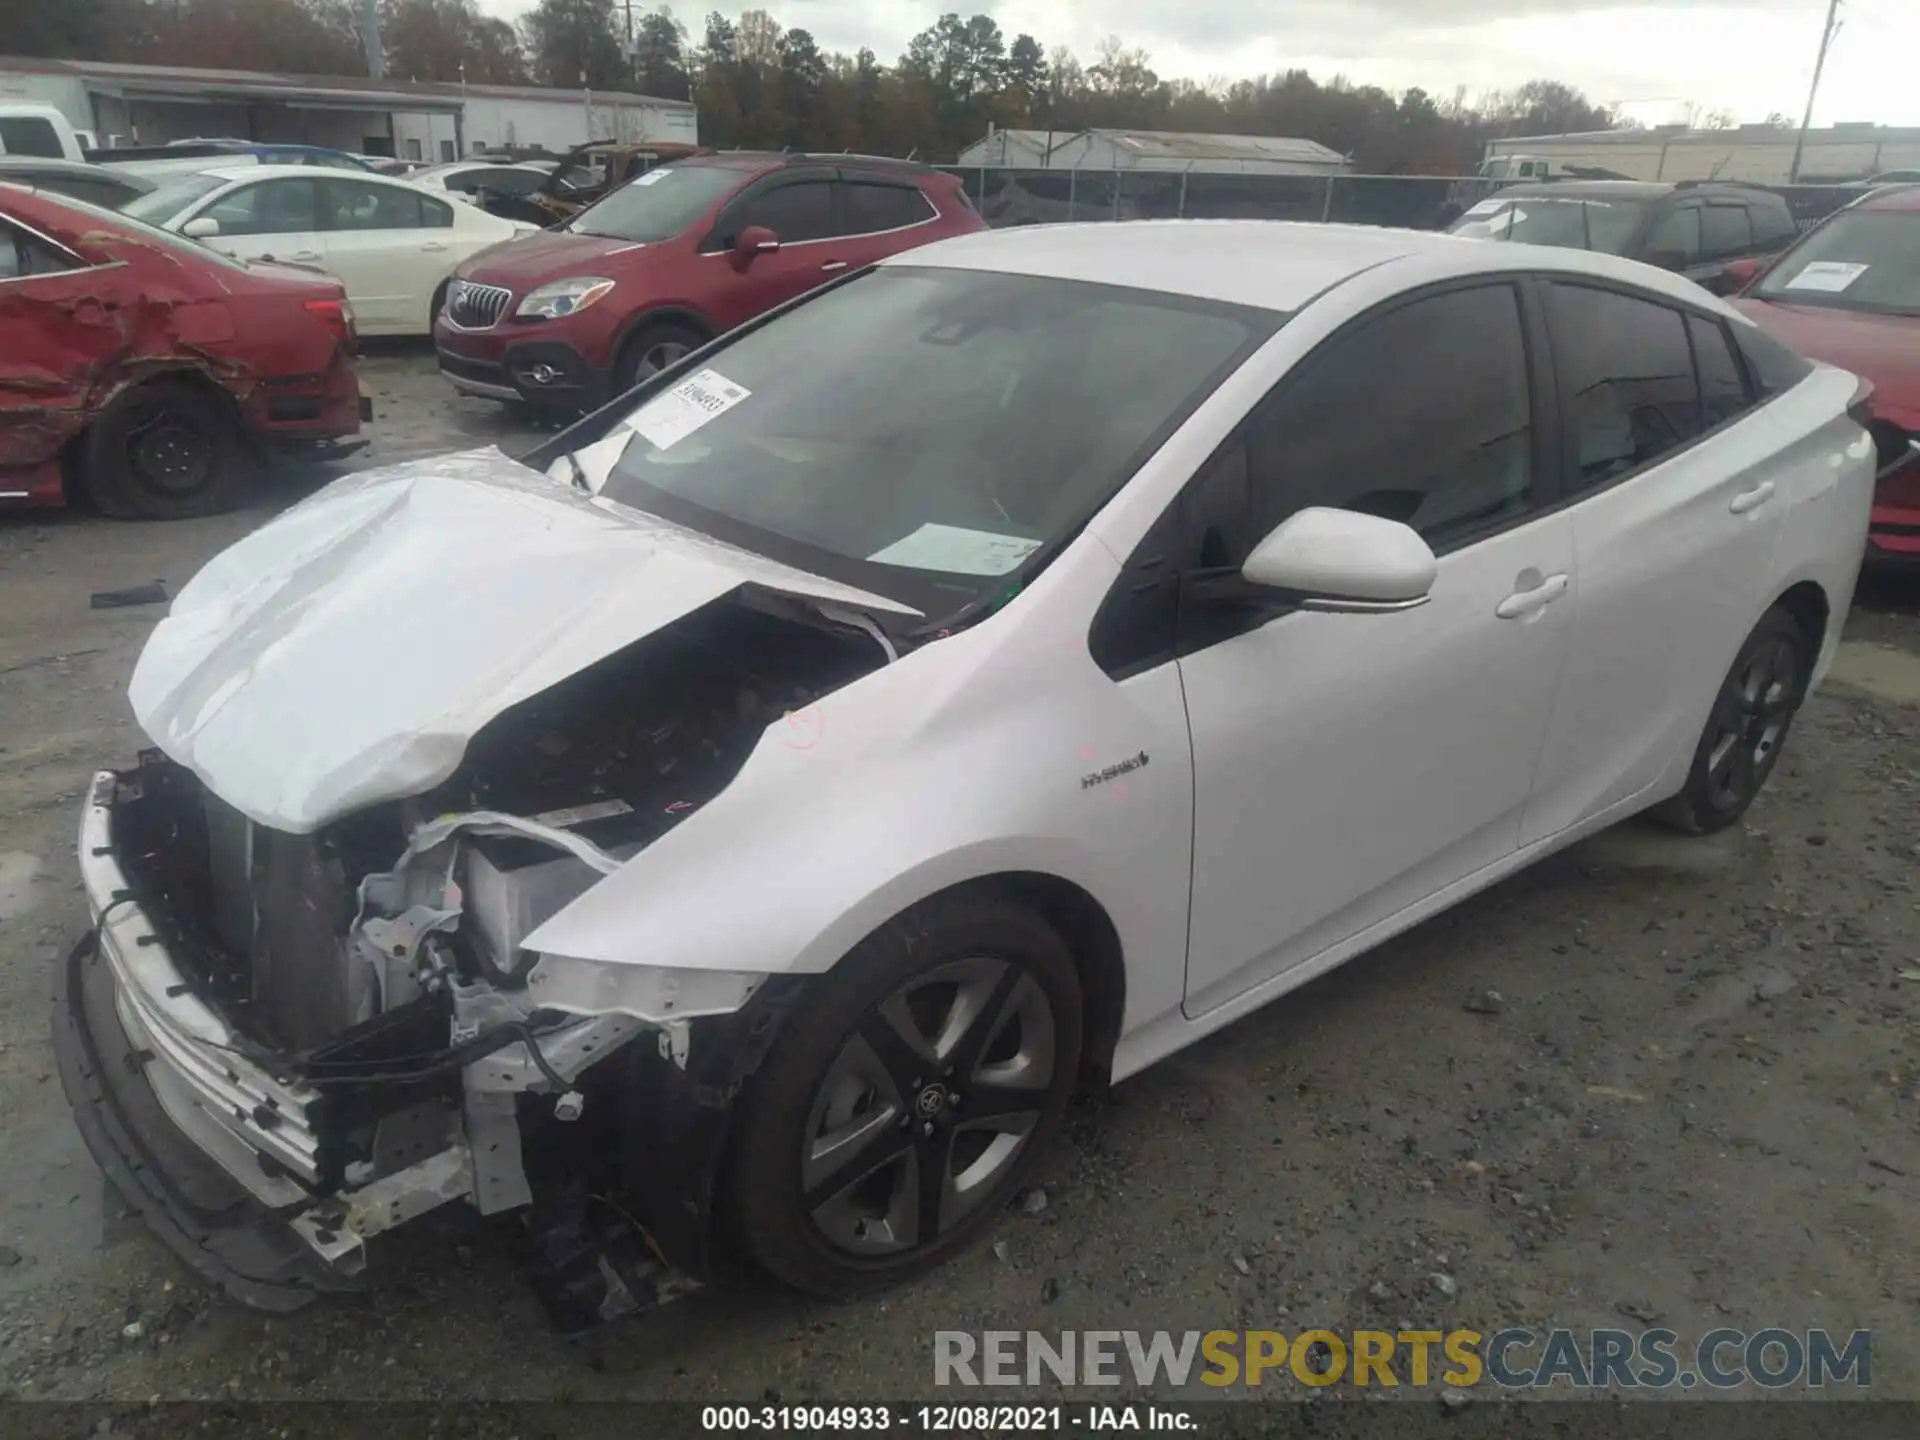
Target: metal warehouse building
x: 415, y: 120
x: 1173, y: 151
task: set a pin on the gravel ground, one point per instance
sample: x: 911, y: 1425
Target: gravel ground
x: 1695, y: 1101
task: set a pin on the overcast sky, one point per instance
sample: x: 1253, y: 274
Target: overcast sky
x: 1747, y: 56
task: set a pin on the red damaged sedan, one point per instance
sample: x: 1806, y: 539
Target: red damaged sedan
x: 1848, y: 293
x: 140, y: 368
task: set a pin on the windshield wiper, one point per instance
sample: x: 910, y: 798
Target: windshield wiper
x: 579, y: 475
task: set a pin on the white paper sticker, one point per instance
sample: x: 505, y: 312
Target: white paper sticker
x: 958, y: 551
x: 1831, y: 276
x: 653, y: 177
x: 668, y: 419
x: 1487, y: 207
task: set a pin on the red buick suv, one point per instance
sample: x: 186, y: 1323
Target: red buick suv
x: 575, y: 315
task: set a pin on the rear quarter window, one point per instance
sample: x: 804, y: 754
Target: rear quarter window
x: 1775, y: 369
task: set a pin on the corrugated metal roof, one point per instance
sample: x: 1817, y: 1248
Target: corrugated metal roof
x: 181, y: 79
x: 1183, y: 145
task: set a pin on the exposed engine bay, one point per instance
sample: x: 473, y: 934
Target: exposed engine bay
x: 375, y: 970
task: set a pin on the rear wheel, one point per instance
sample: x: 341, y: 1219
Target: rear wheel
x: 907, y: 1101
x: 1750, y: 719
x: 652, y: 349
x: 164, y: 451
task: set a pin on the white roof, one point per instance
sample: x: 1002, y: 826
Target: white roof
x: 298, y: 172
x: 1273, y: 264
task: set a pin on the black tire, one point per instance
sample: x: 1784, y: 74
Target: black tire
x: 648, y: 347
x: 1752, y: 713
x: 166, y: 450
x: 997, y: 959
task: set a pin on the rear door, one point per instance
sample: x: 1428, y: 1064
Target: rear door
x: 1676, y: 523
x: 390, y: 245
x: 878, y: 218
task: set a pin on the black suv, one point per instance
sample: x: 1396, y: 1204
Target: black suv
x: 1694, y: 227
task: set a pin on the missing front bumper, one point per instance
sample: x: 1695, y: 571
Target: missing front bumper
x: 198, y: 1210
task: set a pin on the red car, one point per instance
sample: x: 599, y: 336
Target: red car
x: 580, y: 313
x: 1848, y: 293
x: 138, y: 367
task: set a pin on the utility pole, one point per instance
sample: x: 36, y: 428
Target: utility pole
x: 370, y: 38
x: 1819, y: 64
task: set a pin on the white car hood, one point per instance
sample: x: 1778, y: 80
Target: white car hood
x: 345, y: 653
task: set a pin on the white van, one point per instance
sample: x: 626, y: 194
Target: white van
x: 28, y: 129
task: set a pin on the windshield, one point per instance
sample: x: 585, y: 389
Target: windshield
x: 969, y: 423
x: 1603, y: 225
x: 659, y: 205
x: 159, y: 206
x: 1862, y: 260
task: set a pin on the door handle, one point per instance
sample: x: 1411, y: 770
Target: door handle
x: 1527, y: 602
x: 434, y: 245
x: 1751, y: 499
x: 834, y: 265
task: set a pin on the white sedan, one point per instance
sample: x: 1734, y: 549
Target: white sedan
x: 767, y: 802
x: 393, y: 244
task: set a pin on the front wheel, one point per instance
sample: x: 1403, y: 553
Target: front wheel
x: 909, y: 1098
x: 652, y: 350
x: 1751, y: 716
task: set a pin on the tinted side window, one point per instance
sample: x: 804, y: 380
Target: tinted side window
x: 1627, y: 374
x: 1723, y: 389
x: 867, y: 207
x: 30, y: 135
x: 21, y: 256
x: 1387, y: 419
x: 1724, y: 231
x: 1676, y: 236
x: 1775, y: 368
x: 802, y: 211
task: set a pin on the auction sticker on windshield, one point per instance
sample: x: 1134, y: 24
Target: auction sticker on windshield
x: 957, y: 550
x: 1832, y: 276
x: 698, y: 400
x: 653, y: 177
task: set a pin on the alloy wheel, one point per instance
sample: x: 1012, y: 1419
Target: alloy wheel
x: 1752, y: 715
x: 656, y: 358
x: 927, y: 1105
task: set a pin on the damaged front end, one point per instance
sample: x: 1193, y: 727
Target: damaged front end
x: 281, y: 1046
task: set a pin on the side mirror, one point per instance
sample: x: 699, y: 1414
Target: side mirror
x: 752, y: 241
x: 1343, y: 560
x: 201, y: 228
x: 1736, y: 275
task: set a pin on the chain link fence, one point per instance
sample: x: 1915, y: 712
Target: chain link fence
x: 1416, y: 202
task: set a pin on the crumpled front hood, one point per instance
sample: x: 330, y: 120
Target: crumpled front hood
x: 345, y: 653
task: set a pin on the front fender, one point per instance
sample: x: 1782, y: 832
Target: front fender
x: 976, y: 756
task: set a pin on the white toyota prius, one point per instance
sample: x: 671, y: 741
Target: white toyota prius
x: 727, y: 836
